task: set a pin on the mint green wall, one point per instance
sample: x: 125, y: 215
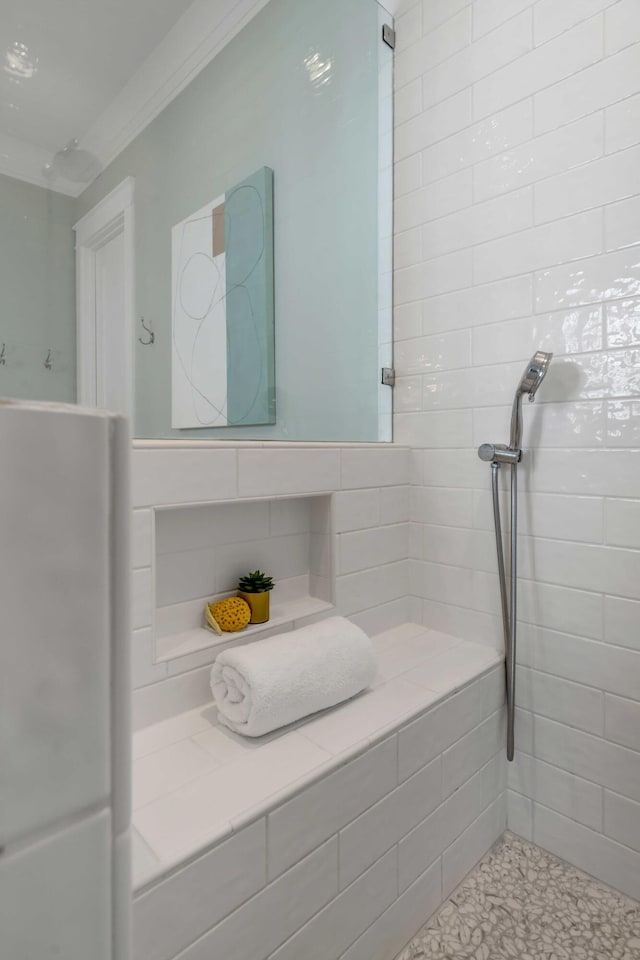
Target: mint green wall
x: 264, y: 101
x: 37, y: 286
x: 250, y: 301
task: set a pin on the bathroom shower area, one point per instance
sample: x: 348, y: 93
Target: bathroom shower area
x: 516, y: 231
x: 364, y: 280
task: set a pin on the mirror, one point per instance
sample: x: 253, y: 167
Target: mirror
x: 197, y: 229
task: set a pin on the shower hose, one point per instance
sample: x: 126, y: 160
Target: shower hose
x: 509, y: 608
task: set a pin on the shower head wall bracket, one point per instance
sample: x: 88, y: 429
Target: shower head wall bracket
x: 498, y: 453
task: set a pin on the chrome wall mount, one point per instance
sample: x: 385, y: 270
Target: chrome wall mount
x: 498, y: 454
x: 389, y: 36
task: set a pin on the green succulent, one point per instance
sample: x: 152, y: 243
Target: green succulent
x: 255, y: 582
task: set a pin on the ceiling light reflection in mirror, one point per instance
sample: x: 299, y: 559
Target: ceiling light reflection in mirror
x: 19, y: 63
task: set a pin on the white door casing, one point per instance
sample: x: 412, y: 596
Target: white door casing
x: 105, y: 301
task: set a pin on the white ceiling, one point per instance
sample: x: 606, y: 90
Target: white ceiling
x: 86, y: 50
x: 83, y: 52
x: 100, y: 70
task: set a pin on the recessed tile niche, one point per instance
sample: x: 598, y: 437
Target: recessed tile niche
x: 202, y: 549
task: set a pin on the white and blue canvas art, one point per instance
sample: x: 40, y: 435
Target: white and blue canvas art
x: 223, y: 363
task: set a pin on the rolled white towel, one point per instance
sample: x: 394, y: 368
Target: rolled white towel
x: 267, y: 684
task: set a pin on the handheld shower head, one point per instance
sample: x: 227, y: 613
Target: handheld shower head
x: 531, y: 380
x: 535, y: 373
x: 497, y: 454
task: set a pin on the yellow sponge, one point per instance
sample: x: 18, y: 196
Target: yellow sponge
x: 232, y: 614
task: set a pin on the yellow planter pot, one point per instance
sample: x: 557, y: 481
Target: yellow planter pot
x: 259, y: 604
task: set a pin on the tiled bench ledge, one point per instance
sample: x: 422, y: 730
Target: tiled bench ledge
x: 196, y: 783
x: 334, y: 840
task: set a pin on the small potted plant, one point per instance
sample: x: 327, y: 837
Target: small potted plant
x: 255, y: 588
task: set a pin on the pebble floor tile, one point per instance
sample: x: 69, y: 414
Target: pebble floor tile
x: 521, y: 903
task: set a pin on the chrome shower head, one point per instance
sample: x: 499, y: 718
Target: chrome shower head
x: 535, y: 373
x: 531, y: 380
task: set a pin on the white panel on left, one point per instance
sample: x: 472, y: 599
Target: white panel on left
x: 55, y: 896
x: 54, y: 597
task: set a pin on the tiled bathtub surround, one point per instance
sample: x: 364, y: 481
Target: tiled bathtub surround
x: 517, y: 228
x: 403, y: 790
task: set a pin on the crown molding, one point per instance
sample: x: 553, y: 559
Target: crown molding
x: 199, y: 35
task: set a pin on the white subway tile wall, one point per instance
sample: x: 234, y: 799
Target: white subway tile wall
x: 201, y: 551
x: 518, y: 228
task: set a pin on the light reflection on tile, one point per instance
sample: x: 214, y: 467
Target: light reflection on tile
x: 570, y: 424
x: 624, y: 373
x: 611, y: 276
x: 499, y: 132
x: 543, y: 157
x: 604, y: 374
x: 623, y: 323
x: 579, y: 424
x: 408, y: 394
x: 581, y: 330
x: 577, y: 377
x: 623, y: 423
x: 427, y: 354
x: 561, y: 332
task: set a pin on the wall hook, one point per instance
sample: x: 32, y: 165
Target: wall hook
x: 3, y: 358
x: 48, y: 363
x: 147, y: 329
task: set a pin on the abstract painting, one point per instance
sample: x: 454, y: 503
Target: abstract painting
x: 223, y: 364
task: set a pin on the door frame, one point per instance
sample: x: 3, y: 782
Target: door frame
x: 114, y: 214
